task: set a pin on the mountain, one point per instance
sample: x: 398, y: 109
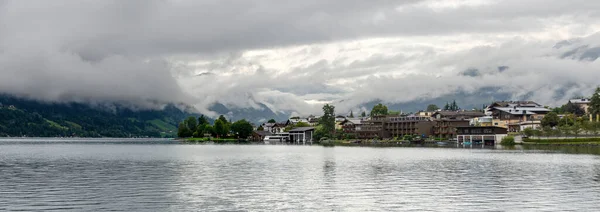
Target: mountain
x: 23, y: 117
x: 252, y: 114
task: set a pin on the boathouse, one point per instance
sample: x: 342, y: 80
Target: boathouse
x: 489, y: 135
x: 302, y: 135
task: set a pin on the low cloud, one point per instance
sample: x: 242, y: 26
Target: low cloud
x: 295, y: 55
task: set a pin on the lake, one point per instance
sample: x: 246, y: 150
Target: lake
x: 162, y: 175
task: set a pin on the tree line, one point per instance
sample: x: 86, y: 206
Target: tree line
x: 221, y: 128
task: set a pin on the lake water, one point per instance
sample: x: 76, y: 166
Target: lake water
x: 139, y: 175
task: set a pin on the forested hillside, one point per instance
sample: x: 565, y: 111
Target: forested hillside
x: 20, y: 117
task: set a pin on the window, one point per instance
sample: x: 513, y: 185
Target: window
x: 496, y: 124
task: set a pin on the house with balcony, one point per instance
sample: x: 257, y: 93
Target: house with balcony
x: 273, y: 127
x: 372, y: 128
x: 351, y: 125
x: 518, y: 115
x: 446, y: 122
x: 399, y: 126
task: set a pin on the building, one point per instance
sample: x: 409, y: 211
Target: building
x: 294, y: 121
x: 399, y: 126
x: 484, y: 121
x: 302, y: 135
x: 446, y: 122
x: 273, y: 127
x: 425, y: 113
x: 513, y: 115
x: 258, y: 135
x: 338, y: 122
x: 484, y: 135
x: 584, y: 104
x: 351, y: 125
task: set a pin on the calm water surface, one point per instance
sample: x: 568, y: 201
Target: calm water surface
x: 135, y: 175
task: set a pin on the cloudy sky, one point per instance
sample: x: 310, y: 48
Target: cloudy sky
x: 296, y: 55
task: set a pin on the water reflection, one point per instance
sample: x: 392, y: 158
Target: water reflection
x: 137, y: 177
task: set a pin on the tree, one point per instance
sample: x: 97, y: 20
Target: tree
x: 528, y: 131
x: 447, y: 106
x: 548, y: 131
x: 327, y: 121
x: 183, y: 131
x: 191, y: 123
x: 260, y: 128
x: 351, y: 115
x: 363, y: 114
x: 576, y: 129
x: 454, y: 106
x: 271, y: 121
x: 432, y: 107
x: 573, y: 109
x: 221, y: 128
x: 320, y: 133
x: 550, y: 120
x: 202, y: 120
x: 242, y: 128
x: 567, y: 120
x: 594, y: 108
x: 565, y: 130
x: 223, y: 119
x: 379, y: 110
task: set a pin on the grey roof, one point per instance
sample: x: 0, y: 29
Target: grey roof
x: 353, y: 120
x: 517, y: 103
x: 302, y: 129
x: 580, y: 101
x: 519, y: 110
x: 263, y: 133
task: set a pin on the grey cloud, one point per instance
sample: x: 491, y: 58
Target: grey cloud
x: 116, y: 50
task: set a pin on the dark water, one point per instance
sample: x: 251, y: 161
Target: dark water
x: 133, y: 175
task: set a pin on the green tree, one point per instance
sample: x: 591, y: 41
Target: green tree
x: 547, y: 131
x: 594, y: 108
x: 454, y: 106
x: 327, y: 121
x: 242, y: 128
x: 538, y: 133
x: 351, y: 115
x: 183, y: 131
x: 221, y: 128
x: 432, y: 107
x: 447, y: 106
x: 565, y: 130
x: 573, y: 109
x: 363, y: 114
x: 202, y: 120
x: 528, y: 132
x: 550, y: 120
x: 567, y: 120
x: 320, y: 133
x: 271, y: 121
x: 508, y: 141
x: 223, y: 119
x: 576, y: 129
x: 379, y: 110
x: 260, y: 128
x: 191, y: 123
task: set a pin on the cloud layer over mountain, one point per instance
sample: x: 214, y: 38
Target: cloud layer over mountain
x: 293, y: 56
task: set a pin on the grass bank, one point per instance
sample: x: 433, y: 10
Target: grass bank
x: 563, y: 141
x: 215, y: 140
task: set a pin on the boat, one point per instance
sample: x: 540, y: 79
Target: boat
x: 274, y: 139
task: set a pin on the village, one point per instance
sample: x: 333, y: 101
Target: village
x: 489, y: 126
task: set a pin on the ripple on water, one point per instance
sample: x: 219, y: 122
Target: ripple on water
x: 139, y: 177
